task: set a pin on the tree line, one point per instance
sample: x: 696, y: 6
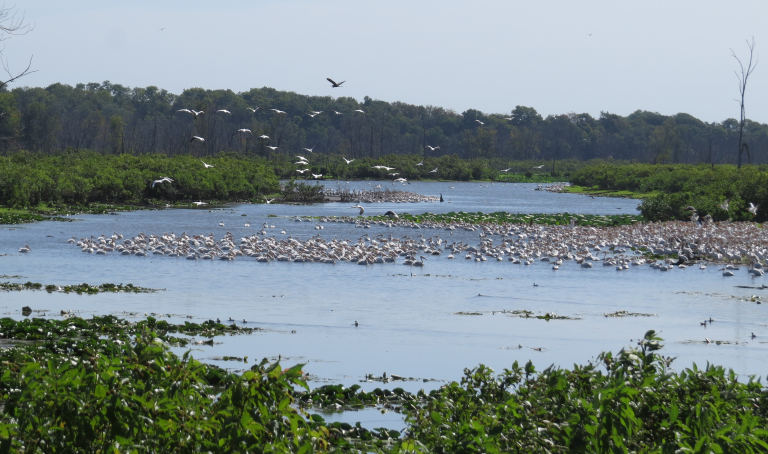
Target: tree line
x: 114, y: 119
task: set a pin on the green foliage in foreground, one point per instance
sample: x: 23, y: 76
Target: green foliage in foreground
x: 109, y: 386
x: 702, y: 186
x: 82, y: 178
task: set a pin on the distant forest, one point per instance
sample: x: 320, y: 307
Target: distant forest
x: 113, y: 119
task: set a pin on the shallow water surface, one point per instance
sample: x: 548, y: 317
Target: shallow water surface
x: 409, y: 321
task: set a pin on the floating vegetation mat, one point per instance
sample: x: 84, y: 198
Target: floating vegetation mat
x: 629, y: 314
x: 79, y: 288
x: 530, y: 314
x: 467, y: 313
x: 716, y: 342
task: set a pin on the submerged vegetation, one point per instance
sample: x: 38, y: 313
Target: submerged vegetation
x: 108, y: 385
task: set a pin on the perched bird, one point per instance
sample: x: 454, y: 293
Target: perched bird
x: 433, y: 148
x: 196, y: 138
x: 362, y: 210
x: 245, y: 130
x: 753, y: 208
x: 224, y: 111
x: 277, y: 111
x: 206, y: 165
x: 481, y: 123
x: 334, y: 84
x: 349, y: 161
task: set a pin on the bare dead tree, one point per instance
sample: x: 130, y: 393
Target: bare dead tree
x: 742, y: 77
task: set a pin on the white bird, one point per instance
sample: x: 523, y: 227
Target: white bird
x: 206, y: 165
x: 301, y: 163
x: 302, y: 170
x: 393, y: 174
x: 312, y: 114
x: 724, y: 205
x: 252, y: 109
x: 268, y: 200
x: 25, y: 249
x: 162, y: 180
x: 224, y: 111
x: 309, y: 149
x: 277, y: 111
x: 196, y: 138
x: 360, y: 207
x: 421, y: 163
x: 337, y: 112
x: 538, y: 167
x: 185, y: 111
x: 302, y: 158
x: 402, y: 180
x: 433, y: 148
x: 358, y: 110
x: 481, y: 123
x: 317, y: 176
x: 753, y: 208
x: 245, y: 130
x: 349, y: 161
x: 272, y: 148
x: 509, y: 118
x: 334, y: 84
x: 199, y: 203
x: 433, y: 171
x: 505, y: 170
x: 388, y: 168
x: 263, y: 136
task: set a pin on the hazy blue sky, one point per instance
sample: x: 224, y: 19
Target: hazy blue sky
x: 665, y: 56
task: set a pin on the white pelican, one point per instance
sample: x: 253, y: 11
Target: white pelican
x: 302, y: 170
x: 538, y: 167
x: 481, y: 123
x: 200, y: 203
x: 393, y: 174
x: 349, y: 161
x: 421, y: 163
x: 505, y: 170
x: 301, y: 163
x: 206, y: 165
x: 224, y: 111
x: 312, y: 115
x: 221, y: 223
x: 162, y: 180
x: 245, y: 130
x: 25, y: 249
x: 277, y: 111
x: 753, y: 208
x: 359, y: 110
x: 362, y: 210
x: 334, y: 84
x: 263, y: 136
x: 402, y: 180
x: 337, y: 112
x: 433, y: 148
x: 433, y: 171
x: 252, y: 109
x: 387, y: 168
x: 272, y: 148
x: 724, y: 205
x: 309, y: 149
x: 268, y: 200
x: 196, y: 138
x: 317, y: 176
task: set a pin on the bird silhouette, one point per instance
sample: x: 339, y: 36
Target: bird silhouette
x: 334, y: 84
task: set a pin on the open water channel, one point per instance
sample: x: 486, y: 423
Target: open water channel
x: 408, y: 317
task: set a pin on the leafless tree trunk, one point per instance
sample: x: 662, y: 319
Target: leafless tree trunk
x: 743, y: 76
x: 11, y: 25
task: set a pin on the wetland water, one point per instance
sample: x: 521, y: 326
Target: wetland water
x: 408, y: 321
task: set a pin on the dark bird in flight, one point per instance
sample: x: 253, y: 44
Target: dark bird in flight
x: 334, y: 84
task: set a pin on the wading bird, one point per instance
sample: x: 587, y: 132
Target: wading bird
x: 334, y: 84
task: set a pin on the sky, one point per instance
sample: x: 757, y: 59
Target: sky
x: 555, y: 56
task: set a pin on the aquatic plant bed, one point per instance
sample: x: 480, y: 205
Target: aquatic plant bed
x: 78, y: 288
x: 501, y: 217
x: 107, y: 385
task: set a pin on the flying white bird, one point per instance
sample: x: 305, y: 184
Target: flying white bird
x: 505, y: 170
x: 393, y: 174
x: 421, y: 163
x: 162, y: 180
x: 337, y: 112
x: 317, y: 176
x: 272, y: 148
x: 301, y: 163
x: 362, y: 210
x: 224, y: 111
x: 191, y: 112
x: 277, y: 111
x: 402, y: 180
x: 433, y: 171
x: 263, y: 136
x: 252, y: 109
x: 317, y: 112
x: 309, y: 149
x: 481, y: 123
x: 387, y: 168
x: 302, y: 170
x: 433, y: 148
x: 268, y: 200
x: 245, y: 130
x: 334, y: 84
x: 196, y: 138
x: 724, y: 205
x: 753, y: 208
x: 313, y: 115
x: 358, y: 110
x: 349, y: 161
x: 206, y: 165
x: 538, y: 167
